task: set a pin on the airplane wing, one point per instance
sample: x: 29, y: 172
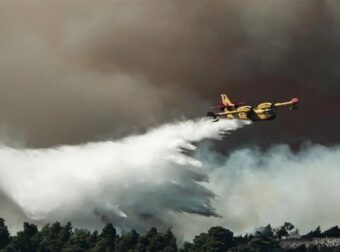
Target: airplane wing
x: 293, y: 102
x: 229, y: 112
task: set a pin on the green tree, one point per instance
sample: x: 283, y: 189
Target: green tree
x: 187, y: 247
x: 79, y: 241
x: 156, y: 241
x: 263, y: 244
x: 268, y: 231
x: 55, y: 237
x: 217, y: 239
x: 243, y: 248
x: 65, y: 232
x: 93, y: 239
x: 103, y: 245
x: 26, y: 240
x: 313, y: 234
x: 109, y: 232
x: 313, y: 248
x: 107, y: 239
x: 332, y: 232
x: 4, y: 234
x: 143, y: 243
x: 170, y: 240
x: 128, y: 242
x: 200, y: 242
x: 221, y: 234
x: 284, y: 230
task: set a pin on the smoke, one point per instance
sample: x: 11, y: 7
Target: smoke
x: 117, y: 67
x: 255, y: 188
x: 86, y: 72
x: 134, y: 182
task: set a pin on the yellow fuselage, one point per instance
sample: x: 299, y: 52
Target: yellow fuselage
x: 263, y: 111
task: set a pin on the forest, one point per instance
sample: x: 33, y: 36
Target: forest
x: 66, y: 238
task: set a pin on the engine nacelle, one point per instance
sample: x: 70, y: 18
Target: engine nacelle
x: 244, y: 109
x: 265, y: 105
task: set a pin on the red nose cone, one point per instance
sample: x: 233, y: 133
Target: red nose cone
x: 294, y: 100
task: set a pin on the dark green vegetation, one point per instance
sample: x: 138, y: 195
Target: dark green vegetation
x: 58, y: 237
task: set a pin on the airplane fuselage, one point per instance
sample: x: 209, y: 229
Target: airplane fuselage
x: 263, y: 111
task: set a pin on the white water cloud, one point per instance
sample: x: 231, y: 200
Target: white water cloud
x: 134, y: 182
x: 147, y: 180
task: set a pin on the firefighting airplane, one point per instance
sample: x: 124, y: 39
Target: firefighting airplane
x: 261, y: 112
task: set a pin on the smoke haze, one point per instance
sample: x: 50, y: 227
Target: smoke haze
x: 73, y: 73
x: 255, y: 188
x: 112, y: 68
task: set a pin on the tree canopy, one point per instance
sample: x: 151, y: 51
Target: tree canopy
x: 64, y: 238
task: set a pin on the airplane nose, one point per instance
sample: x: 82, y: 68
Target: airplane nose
x: 294, y: 100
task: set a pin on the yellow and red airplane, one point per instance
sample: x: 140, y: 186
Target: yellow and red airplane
x: 261, y: 112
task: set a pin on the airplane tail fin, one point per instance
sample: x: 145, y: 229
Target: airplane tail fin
x: 229, y: 106
x: 225, y: 100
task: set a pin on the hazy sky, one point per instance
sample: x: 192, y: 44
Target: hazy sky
x: 78, y: 71
x: 73, y: 72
